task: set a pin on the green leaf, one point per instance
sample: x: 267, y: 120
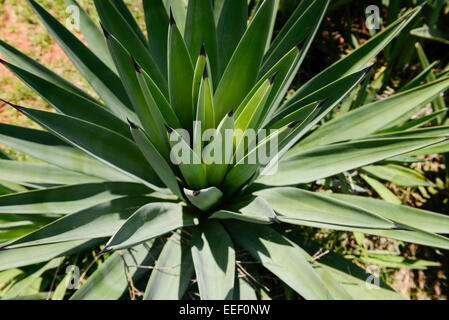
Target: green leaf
x: 356, y: 60
x: 9, y: 275
x: 398, y: 175
x: 321, y: 109
x: 157, y: 21
x: 288, y: 68
x: 248, y: 118
x: 294, y: 203
x: 415, y: 123
x: 438, y: 103
x: 205, y: 103
x: 430, y: 33
x: 7, y: 187
x: 406, y: 159
x: 243, y: 290
x: 61, y: 288
x: 199, y: 72
x: 200, y: 30
x: 180, y: 76
x: 435, y: 131
x: 27, y: 256
x: 98, y: 221
x: 302, y: 125
x: 131, y: 37
x: 11, y: 233
x: 204, y: 199
x: 231, y: 25
x: 381, y: 190
x: 173, y: 271
x: 218, y: 7
x: 248, y: 164
x: 179, y: 9
x: 441, y: 148
x: 44, y: 146
x: 332, y: 94
x: 398, y: 262
x: 22, y: 287
x: 371, y: 118
x: 5, y: 156
x: 348, y: 276
x: 281, y: 256
x: 252, y: 209
x: 187, y: 160
x: 156, y: 160
x: 421, y: 219
x: 93, y: 35
x: 129, y: 71
x: 249, y: 115
x: 26, y: 63
x: 70, y: 103
x: 412, y: 236
x: 39, y: 173
x: 124, y: 11
x: 214, y: 260
x: 160, y: 111
x: 271, y: 30
x: 297, y: 12
x: 241, y: 73
x: 301, y: 115
x: 204, y: 112
x: 68, y: 199
x: 106, y: 146
x: 151, y: 221
x: 113, y: 277
x: 159, y: 106
x: 104, y: 81
x: 420, y: 78
x: 315, y: 164
x: 334, y: 287
x: 218, y: 154
x: 302, y: 23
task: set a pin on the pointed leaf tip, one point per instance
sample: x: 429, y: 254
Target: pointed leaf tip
x: 399, y: 227
x: 300, y: 45
x: 205, y: 74
x: 105, y: 32
x: 422, y: 5
x: 322, y: 102
x: 172, y: 19
x: 169, y: 130
x: 19, y: 108
x: 408, y: 16
x: 273, y: 76
x: 136, y: 65
x: 203, y: 50
x: 274, y: 220
x: 132, y: 124
x: 293, y: 124
x: 231, y: 113
x: 368, y: 69
x: 105, y: 250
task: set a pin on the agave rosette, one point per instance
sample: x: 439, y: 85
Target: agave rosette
x: 108, y: 178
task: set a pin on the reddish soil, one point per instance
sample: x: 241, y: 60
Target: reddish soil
x: 19, y: 34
